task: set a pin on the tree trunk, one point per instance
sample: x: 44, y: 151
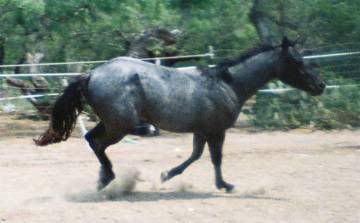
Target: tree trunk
x: 261, y: 22
x: 140, y: 46
x: 37, y: 85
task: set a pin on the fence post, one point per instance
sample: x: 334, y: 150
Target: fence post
x: 211, y: 52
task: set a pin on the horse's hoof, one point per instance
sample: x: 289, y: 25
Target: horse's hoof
x: 100, y: 186
x: 230, y: 188
x: 164, y: 176
x: 103, y: 182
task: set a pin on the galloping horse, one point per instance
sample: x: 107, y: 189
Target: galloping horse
x: 124, y: 91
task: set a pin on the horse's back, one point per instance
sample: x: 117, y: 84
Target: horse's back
x: 124, y: 76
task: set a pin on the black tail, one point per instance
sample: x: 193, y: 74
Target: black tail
x: 64, y: 114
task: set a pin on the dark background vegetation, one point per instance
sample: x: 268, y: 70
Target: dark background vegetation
x: 34, y: 31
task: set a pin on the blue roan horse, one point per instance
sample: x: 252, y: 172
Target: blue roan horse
x: 125, y: 91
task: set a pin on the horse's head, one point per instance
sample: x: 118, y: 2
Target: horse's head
x: 296, y: 72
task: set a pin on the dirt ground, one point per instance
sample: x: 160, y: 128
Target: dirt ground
x: 298, y: 176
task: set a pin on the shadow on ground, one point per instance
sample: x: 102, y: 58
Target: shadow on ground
x: 149, y: 196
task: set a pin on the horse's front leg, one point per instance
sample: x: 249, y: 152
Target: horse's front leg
x: 198, y: 148
x: 216, y: 142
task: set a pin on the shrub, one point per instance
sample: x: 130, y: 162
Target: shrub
x: 337, y: 108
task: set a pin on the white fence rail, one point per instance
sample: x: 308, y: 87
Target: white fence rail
x: 322, y: 56
x: 210, y: 54
x: 158, y: 61
x: 41, y: 74
x: 28, y: 96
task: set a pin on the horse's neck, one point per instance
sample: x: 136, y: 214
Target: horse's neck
x: 253, y: 73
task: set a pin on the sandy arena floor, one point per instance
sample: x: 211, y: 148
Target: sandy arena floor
x: 298, y: 176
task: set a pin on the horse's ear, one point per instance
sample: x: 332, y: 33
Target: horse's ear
x: 286, y: 43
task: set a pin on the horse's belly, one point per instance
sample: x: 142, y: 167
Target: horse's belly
x: 208, y: 126
x: 175, y: 122
x: 194, y: 121
x: 175, y: 128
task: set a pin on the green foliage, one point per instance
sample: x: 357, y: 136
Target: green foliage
x: 87, y: 30
x: 336, y: 20
x: 81, y: 30
x: 335, y: 109
x: 223, y: 24
x: 95, y: 30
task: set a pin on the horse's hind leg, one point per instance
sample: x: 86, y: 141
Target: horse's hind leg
x: 99, y: 140
x: 198, y: 148
x: 215, y: 145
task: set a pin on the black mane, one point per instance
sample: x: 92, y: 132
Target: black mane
x: 221, y: 69
x: 246, y: 55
